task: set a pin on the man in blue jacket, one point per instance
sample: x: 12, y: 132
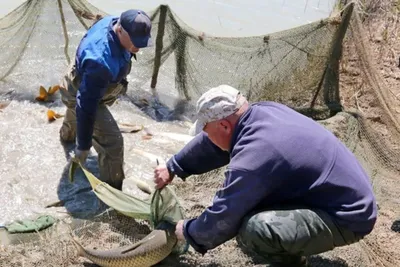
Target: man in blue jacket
x: 95, y: 79
x: 291, y: 188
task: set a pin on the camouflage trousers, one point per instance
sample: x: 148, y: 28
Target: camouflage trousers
x: 282, y: 236
x: 107, y: 138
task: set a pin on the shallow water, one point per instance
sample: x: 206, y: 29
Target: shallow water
x: 224, y: 17
x: 34, y: 163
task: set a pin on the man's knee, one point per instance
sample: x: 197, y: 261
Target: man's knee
x: 256, y: 233
x: 290, y: 232
x: 110, y: 147
x: 111, y: 159
x: 263, y: 234
x: 108, y: 139
x: 116, y: 145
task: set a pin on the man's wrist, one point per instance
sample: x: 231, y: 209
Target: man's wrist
x: 189, y: 239
x: 171, y: 165
x: 83, y: 147
x: 171, y: 170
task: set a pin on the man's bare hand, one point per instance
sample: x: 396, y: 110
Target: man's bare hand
x: 179, y: 230
x: 162, y: 177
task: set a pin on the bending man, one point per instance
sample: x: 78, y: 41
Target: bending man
x: 291, y: 188
x: 95, y: 79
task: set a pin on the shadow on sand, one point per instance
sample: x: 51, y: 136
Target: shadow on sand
x: 318, y: 261
x: 396, y: 226
x: 313, y: 261
x: 77, y: 197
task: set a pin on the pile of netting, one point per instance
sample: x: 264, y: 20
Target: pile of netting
x: 297, y: 67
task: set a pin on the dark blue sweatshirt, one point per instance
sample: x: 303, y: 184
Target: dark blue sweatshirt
x: 100, y: 60
x: 277, y: 156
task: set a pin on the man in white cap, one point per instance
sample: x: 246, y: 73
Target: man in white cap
x: 95, y: 79
x: 291, y: 189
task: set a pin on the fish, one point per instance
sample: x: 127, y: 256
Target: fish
x: 130, y: 128
x: 185, y: 138
x: 150, y: 250
x: 44, y: 95
x: 143, y: 186
x: 147, y: 155
x: 52, y: 115
x: 3, y: 105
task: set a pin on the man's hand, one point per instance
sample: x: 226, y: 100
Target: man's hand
x: 179, y: 231
x: 162, y: 176
x: 81, y: 155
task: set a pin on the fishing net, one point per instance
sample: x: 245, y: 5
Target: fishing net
x: 271, y: 67
x: 300, y: 67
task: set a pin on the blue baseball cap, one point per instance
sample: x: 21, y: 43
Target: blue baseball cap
x: 138, y: 25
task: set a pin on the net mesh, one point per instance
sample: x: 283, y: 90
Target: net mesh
x: 303, y: 68
x: 264, y: 67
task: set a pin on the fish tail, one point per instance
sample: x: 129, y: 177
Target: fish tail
x: 78, y: 246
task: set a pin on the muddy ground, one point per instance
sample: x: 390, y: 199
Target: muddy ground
x: 381, y: 248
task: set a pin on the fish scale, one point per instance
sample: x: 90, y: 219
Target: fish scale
x: 150, y: 250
